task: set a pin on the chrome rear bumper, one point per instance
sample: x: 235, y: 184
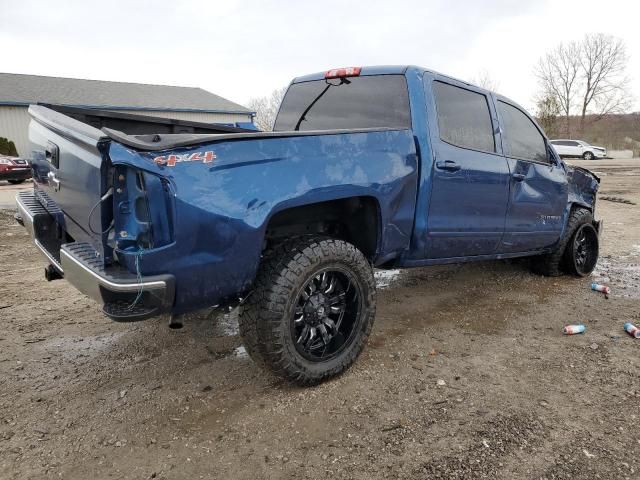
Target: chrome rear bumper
x: 40, y: 224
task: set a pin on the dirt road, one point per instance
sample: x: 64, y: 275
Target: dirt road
x: 466, y: 375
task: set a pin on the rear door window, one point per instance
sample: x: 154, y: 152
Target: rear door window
x: 521, y: 137
x: 464, y: 119
x: 375, y: 101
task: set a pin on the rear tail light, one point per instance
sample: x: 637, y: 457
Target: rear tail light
x: 343, y: 72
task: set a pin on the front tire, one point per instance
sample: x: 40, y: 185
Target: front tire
x: 312, y: 309
x: 569, y: 256
x: 587, y: 155
x: 16, y: 182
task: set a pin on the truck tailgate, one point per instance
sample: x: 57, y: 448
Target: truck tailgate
x: 67, y: 170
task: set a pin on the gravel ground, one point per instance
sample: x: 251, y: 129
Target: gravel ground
x: 466, y: 375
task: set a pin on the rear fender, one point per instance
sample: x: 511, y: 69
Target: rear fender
x: 223, y: 206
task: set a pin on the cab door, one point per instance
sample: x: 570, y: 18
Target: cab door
x: 470, y: 176
x: 538, y: 184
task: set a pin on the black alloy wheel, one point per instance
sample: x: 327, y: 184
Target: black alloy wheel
x: 327, y: 314
x: 583, y: 253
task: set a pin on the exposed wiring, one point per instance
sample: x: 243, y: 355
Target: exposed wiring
x: 139, y: 278
x: 303, y: 117
x: 102, y: 199
x: 138, y: 256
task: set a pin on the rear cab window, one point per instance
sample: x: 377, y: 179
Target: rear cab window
x: 521, y: 138
x: 376, y: 101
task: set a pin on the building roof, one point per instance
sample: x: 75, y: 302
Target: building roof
x: 19, y: 89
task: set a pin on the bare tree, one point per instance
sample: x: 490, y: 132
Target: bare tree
x: 558, y: 75
x: 266, y: 108
x: 547, y: 113
x: 603, y: 63
x: 589, y: 75
x: 484, y: 80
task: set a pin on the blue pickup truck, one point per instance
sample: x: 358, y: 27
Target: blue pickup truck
x: 386, y: 167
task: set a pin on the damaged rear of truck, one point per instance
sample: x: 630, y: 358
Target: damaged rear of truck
x: 171, y: 223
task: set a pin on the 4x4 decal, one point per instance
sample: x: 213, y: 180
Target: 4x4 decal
x: 172, y: 160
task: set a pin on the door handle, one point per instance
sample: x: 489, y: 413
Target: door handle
x: 447, y: 165
x: 518, y: 177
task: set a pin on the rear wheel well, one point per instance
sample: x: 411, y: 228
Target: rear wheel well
x: 355, y: 220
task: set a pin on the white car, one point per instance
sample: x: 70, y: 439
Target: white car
x: 578, y: 148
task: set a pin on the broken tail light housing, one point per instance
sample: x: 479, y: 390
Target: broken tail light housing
x: 142, y: 210
x: 343, y: 72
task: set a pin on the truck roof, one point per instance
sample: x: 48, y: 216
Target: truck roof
x: 400, y: 70
x: 370, y: 70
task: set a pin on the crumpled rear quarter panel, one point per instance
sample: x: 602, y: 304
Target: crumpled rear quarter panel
x: 222, y: 208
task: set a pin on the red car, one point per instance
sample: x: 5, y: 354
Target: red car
x: 15, y: 170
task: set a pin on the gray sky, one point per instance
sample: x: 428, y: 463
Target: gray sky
x: 241, y: 49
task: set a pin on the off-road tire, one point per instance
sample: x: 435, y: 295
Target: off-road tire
x: 588, y: 156
x: 555, y: 263
x: 264, y: 318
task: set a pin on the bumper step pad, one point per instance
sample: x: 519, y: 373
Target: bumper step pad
x: 124, y: 296
x: 127, y: 311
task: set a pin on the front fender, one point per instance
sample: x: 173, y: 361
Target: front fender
x: 583, y: 189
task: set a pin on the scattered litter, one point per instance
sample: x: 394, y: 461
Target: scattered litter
x: 600, y: 288
x: 632, y: 330
x: 573, y: 329
x: 485, y: 443
x: 123, y: 393
x: 587, y: 454
x: 593, y: 346
x: 441, y: 383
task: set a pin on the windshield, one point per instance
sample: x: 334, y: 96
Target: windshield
x: 355, y: 102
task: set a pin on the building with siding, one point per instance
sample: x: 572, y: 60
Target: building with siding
x: 18, y: 91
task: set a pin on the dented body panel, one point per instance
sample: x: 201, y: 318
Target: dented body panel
x: 196, y: 211
x: 222, y: 209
